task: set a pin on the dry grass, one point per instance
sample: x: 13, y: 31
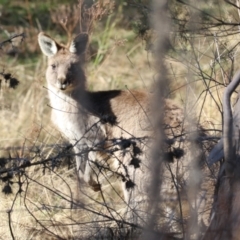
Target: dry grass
x: 52, y: 198
x: 25, y: 121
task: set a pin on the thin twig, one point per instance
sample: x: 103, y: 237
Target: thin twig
x: 9, y: 40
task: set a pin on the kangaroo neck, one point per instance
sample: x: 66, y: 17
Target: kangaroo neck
x: 78, y: 98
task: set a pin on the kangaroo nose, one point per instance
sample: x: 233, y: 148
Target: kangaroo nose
x: 62, y: 83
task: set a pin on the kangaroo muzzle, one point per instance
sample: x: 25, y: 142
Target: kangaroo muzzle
x: 62, y: 83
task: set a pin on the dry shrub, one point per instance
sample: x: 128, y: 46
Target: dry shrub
x: 52, y: 204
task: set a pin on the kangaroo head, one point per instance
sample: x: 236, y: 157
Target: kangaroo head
x: 64, y: 70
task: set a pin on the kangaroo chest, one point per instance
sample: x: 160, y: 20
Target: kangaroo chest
x: 73, y: 121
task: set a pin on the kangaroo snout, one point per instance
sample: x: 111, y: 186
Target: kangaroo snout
x: 62, y: 83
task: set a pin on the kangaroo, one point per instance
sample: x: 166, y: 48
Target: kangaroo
x: 102, y: 120
x: 80, y: 114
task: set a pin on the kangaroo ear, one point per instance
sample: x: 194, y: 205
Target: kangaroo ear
x: 48, y: 46
x: 79, y: 44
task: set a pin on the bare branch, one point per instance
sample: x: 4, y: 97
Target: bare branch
x: 9, y: 40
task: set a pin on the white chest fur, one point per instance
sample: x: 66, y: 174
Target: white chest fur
x: 72, y: 120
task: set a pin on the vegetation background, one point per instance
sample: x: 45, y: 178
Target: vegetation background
x: 201, y: 60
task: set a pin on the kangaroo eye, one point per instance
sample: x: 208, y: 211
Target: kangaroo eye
x: 53, y: 66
